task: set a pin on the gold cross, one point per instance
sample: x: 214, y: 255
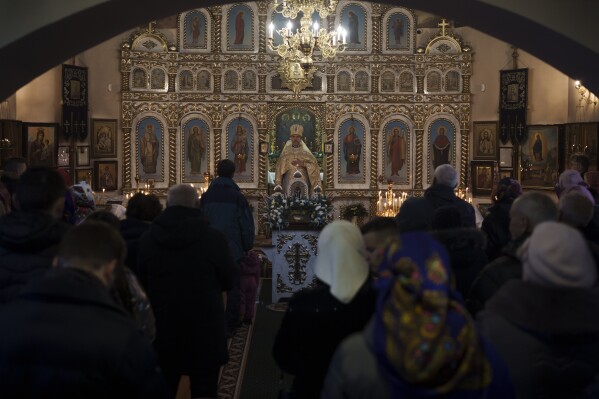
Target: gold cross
x: 443, y: 25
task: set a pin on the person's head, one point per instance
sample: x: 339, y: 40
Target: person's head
x: 41, y: 189
x: 528, y: 211
x: 143, y: 207
x: 341, y: 261
x: 40, y: 134
x: 376, y: 234
x: 149, y: 128
x: 592, y: 179
x: 575, y: 209
x: 352, y: 130
x: 93, y: 246
x: 14, y: 167
x: 485, y: 134
x: 567, y: 179
x: 558, y: 255
x: 195, y: 130
x: 104, y: 216
x: 239, y: 129
x: 446, y: 175
x: 579, y: 162
x: 225, y: 168
x: 507, y: 191
x: 446, y: 217
x: 296, y: 134
x: 442, y: 130
x: 182, y: 195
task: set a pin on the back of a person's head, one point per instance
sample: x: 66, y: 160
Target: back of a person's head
x: 414, y: 215
x: 575, y: 209
x: 104, y: 216
x: 580, y: 162
x: 446, y: 217
x: 592, y: 179
x: 446, y: 175
x: 569, y: 178
x: 536, y: 207
x: 39, y: 189
x: 15, y: 166
x: 143, y: 207
x: 578, y: 189
x: 182, y: 195
x: 91, y: 245
x: 225, y: 168
x: 386, y: 225
x: 507, y: 191
x: 557, y: 255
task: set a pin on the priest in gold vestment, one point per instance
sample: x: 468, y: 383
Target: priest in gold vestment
x: 296, y: 156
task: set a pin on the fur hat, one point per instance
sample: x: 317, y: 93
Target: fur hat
x: 557, y: 255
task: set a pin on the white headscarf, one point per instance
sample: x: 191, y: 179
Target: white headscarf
x: 341, y: 261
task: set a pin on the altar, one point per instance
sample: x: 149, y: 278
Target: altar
x: 293, y: 258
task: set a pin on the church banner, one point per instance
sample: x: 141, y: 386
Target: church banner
x: 512, y: 105
x: 74, y: 101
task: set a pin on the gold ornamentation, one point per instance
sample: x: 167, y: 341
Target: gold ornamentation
x: 313, y: 241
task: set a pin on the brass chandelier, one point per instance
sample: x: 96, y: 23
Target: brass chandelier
x: 297, y: 49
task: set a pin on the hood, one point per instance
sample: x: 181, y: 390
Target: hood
x: 548, y: 312
x: 461, y: 238
x: 224, y: 182
x: 177, y: 226
x: 33, y: 231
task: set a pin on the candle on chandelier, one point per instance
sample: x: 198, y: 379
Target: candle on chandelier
x: 344, y: 36
x: 289, y: 26
x: 271, y: 30
x: 316, y: 29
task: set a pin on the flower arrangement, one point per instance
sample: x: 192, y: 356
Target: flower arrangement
x: 279, y: 207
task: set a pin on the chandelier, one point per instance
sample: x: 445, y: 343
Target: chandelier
x: 388, y: 203
x: 297, y: 49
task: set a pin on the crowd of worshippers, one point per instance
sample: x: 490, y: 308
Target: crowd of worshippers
x: 124, y: 302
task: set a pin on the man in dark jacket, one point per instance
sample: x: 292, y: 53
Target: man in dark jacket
x: 185, y: 265
x: 228, y: 211
x: 416, y: 214
x: 64, y: 337
x: 30, y: 236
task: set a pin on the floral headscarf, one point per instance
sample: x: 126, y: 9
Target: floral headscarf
x: 425, y: 339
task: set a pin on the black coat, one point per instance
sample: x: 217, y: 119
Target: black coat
x: 466, y: 248
x: 28, y: 243
x: 312, y: 328
x: 496, y: 227
x: 64, y: 337
x: 548, y: 337
x: 185, y: 265
x: 417, y: 213
x: 132, y: 230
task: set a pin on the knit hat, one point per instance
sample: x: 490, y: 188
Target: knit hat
x: 557, y: 255
x: 341, y: 261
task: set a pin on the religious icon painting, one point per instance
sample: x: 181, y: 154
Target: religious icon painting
x: 185, y: 81
x: 452, y: 81
x: 231, y: 80
x: 106, y: 175
x: 158, y: 79
x: 85, y: 175
x: 248, y: 80
x: 150, y: 151
x: 195, y: 30
x: 433, y: 82
x: 482, y: 177
x: 196, y: 144
x: 406, y: 82
x: 204, y: 80
x: 139, y: 78
x: 387, y: 82
x: 539, y: 160
x: 40, y: 143
x: 354, y: 19
x: 398, y: 31
x: 103, y: 138
x: 343, y: 81
x: 240, y: 28
x: 484, y: 140
x: 352, y: 163
x: 441, y: 145
x: 240, y: 144
x: 396, y: 152
x: 362, y: 81
x: 581, y: 138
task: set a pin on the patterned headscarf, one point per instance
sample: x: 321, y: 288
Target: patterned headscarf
x: 425, y: 339
x: 507, y: 190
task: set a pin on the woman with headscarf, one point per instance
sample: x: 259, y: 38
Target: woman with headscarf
x: 545, y: 326
x: 421, y: 342
x: 496, y: 224
x: 318, y: 319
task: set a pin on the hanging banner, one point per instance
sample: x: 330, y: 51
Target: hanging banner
x: 512, y: 105
x: 74, y: 101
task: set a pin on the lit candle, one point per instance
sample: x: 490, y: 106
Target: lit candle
x: 103, y: 190
x: 344, y: 36
x: 289, y: 26
x: 271, y: 30
x: 315, y: 29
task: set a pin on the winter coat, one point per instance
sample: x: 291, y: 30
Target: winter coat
x: 28, y: 243
x: 132, y: 230
x: 228, y: 211
x: 314, y: 324
x: 466, y: 251
x: 185, y: 265
x: 548, y: 336
x: 416, y: 214
x: 72, y: 341
x: 496, y: 227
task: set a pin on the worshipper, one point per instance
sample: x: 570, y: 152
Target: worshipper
x: 228, y: 211
x: 416, y: 212
x: 250, y: 278
x: 29, y: 236
x: 496, y: 225
x: 85, y: 202
x: 465, y: 245
x: 421, y: 342
x: 526, y: 213
x: 376, y: 233
x: 12, y: 170
x: 142, y: 209
x: 545, y: 326
x: 185, y: 265
x: 64, y: 337
x: 318, y: 319
x: 579, y: 162
x: 567, y: 179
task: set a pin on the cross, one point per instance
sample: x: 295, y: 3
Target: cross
x: 297, y: 257
x: 520, y: 127
x: 443, y: 24
x: 515, y: 57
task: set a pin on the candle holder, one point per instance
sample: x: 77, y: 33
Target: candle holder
x: 389, y: 203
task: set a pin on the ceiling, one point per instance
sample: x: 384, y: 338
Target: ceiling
x: 37, y: 35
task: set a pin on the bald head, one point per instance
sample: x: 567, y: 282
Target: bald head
x: 575, y: 209
x: 182, y: 195
x: 446, y: 175
x: 529, y: 210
